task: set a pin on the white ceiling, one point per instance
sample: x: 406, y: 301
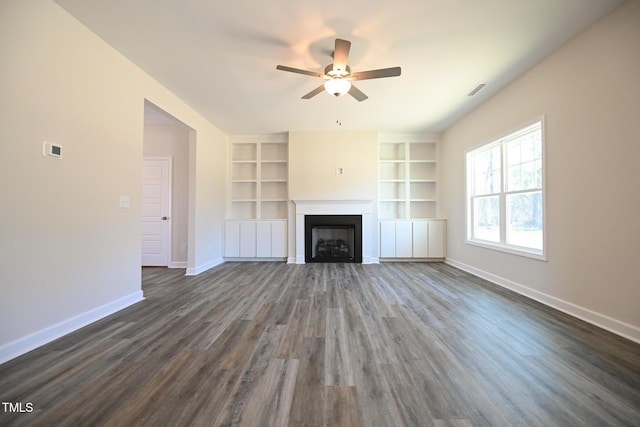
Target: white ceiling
x: 221, y: 56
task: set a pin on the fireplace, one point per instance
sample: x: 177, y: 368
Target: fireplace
x: 336, y: 208
x: 333, y: 238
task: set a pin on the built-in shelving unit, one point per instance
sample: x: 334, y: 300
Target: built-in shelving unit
x: 259, y: 174
x: 256, y: 226
x: 408, y: 177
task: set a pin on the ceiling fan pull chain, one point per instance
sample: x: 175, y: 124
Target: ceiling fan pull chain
x: 339, y: 112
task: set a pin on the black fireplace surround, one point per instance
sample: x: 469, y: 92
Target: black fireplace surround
x: 333, y: 238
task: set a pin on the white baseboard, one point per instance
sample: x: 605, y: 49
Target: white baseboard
x: 32, y: 341
x: 371, y: 260
x: 178, y: 264
x: 618, y: 327
x: 204, y: 267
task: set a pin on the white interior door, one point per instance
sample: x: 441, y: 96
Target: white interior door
x: 156, y: 209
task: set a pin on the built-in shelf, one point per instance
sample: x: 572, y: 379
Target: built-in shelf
x: 259, y: 177
x: 408, y: 177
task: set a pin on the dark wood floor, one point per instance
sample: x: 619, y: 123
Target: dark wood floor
x: 261, y: 344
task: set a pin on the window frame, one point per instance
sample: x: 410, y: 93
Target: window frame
x: 504, y: 193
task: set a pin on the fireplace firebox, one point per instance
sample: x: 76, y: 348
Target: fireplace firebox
x: 333, y: 238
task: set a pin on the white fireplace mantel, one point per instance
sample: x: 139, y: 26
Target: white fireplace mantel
x: 336, y: 207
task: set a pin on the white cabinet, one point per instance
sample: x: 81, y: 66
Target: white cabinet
x: 247, y: 239
x: 404, y: 241
x: 387, y: 239
x: 255, y: 239
x: 271, y: 239
x: 240, y: 239
x: 232, y: 239
x: 420, y: 234
x: 263, y: 238
x: 395, y: 239
x: 413, y: 239
x: 437, y: 239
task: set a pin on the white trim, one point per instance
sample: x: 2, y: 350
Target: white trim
x: 510, y: 249
x: 281, y: 137
x: 255, y: 259
x: 178, y: 264
x: 335, y: 207
x: 32, y: 341
x: 500, y: 141
x: 610, y: 324
x: 204, y: 267
x: 391, y: 138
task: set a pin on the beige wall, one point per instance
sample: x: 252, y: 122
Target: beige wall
x: 314, y: 157
x: 67, y: 250
x: 589, y: 94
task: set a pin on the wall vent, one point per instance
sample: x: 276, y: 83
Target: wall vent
x: 477, y: 89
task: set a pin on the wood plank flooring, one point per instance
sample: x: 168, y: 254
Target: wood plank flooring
x: 271, y: 344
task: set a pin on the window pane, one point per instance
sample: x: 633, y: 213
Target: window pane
x: 524, y: 220
x: 486, y: 167
x: 524, y: 162
x: 486, y: 218
x: 525, y: 176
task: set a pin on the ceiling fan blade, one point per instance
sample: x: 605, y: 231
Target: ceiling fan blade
x: 376, y: 74
x: 297, y: 70
x: 341, y: 54
x: 314, y: 92
x: 357, y: 94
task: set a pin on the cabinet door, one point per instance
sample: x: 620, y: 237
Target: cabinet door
x: 387, y: 239
x: 232, y: 239
x: 420, y: 239
x: 279, y: 239
x: 437, y: 239
x: 247, y: 239
x: 404, y: 239
x: 263, y: 239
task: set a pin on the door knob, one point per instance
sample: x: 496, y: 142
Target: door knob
x: 164, y: 218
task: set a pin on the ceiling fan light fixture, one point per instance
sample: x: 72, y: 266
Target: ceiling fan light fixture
x: 337, y: 86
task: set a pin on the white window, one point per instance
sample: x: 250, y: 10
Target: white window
x: 505, y: 188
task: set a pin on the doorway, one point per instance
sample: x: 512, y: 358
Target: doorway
x: 166, y: 137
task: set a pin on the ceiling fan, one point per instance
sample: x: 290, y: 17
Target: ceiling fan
x: 338, y: 76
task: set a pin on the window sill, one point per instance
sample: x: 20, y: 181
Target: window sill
x: 514, y: 250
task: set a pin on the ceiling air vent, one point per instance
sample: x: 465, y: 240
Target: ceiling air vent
x: 477, y: 89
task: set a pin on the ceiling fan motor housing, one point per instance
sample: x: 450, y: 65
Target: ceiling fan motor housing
x: 336, y: 72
